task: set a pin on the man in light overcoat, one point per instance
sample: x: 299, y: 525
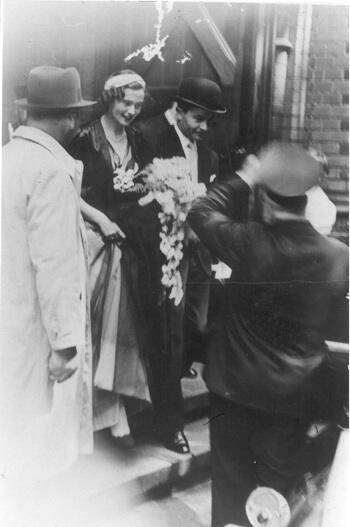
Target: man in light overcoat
x: 45, y: 327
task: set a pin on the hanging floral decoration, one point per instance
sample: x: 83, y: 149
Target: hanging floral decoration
x: 154, y: 49
x: 168, y: 181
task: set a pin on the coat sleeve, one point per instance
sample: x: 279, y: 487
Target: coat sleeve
x: 219, y: 222
x: 53, y: 237
x: 94, y: 173
x: 146, y: 144
x: 214, y: 160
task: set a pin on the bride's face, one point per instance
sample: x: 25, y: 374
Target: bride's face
x: 125, y: 110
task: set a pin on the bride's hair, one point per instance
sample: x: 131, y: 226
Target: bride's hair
x: 118, y: 93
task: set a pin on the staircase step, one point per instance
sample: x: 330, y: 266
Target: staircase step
x: 98, y: 489
x: 137, y: 470
x: 148, y: 466
x: 113, y: 479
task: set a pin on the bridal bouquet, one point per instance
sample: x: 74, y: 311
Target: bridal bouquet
x: 168, y: 181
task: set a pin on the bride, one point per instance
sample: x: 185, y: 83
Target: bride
x: 110, y: 192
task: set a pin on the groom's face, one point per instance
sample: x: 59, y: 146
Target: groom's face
x: 194, y: 122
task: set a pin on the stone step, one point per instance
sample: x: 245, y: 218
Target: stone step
x: 137, y: 470
x: 115, y: 478
x: 112, y: 481
x: 98, y: 489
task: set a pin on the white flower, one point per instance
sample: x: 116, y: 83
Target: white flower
x: 145, y: 200
x: 123, y: 180
x: 169, y: 208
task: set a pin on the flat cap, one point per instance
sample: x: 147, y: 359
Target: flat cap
x: 287, y: 169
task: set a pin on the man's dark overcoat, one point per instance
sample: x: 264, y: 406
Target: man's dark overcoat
x: 286, y: 280
x: 267, y: 362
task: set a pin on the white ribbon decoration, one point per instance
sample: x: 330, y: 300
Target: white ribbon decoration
x: 118, y: 81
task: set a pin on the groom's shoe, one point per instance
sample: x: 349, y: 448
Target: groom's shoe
x: 124, y: 442
x: 178, y: 443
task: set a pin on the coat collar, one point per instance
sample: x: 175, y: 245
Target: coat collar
x: 47, y: 141
x: 73, y: 167
x: 185, y: 141
x: 169, y: 142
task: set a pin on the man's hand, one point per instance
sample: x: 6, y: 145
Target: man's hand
x: 192, y: 237
x: 59, y: 369
x: 249, y: 170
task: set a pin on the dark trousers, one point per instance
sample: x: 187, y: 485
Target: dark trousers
x: 165, y: 362
x: 168, y: 406
x: 177, y: 338
x: 249, y: 448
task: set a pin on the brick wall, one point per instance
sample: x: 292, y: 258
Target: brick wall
x: 327, y: 103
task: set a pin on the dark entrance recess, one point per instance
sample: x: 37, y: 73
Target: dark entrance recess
x: 229, y: 43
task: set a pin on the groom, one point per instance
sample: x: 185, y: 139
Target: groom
x: 178, y: 133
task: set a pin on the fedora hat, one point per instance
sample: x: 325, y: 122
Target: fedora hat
x: 203, y: 93
x: 287, y: 170
x: 49, y: 87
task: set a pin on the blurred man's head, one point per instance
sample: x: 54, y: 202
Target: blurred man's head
x: 275, y: 207
x: 249, y: 170
x: 286, y: 171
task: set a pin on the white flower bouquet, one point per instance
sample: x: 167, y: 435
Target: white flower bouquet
x: 168, y: 181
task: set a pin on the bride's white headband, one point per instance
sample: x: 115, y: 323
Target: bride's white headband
x: 118, y: 81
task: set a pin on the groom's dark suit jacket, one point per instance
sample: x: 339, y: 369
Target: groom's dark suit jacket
x: 161, y: 140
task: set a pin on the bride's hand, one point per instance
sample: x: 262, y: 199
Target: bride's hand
x: 109, y: 229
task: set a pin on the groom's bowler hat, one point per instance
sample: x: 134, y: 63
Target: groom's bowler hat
x: 203, y: 93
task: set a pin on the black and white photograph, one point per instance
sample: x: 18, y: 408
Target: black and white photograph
x: 174, y: 264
